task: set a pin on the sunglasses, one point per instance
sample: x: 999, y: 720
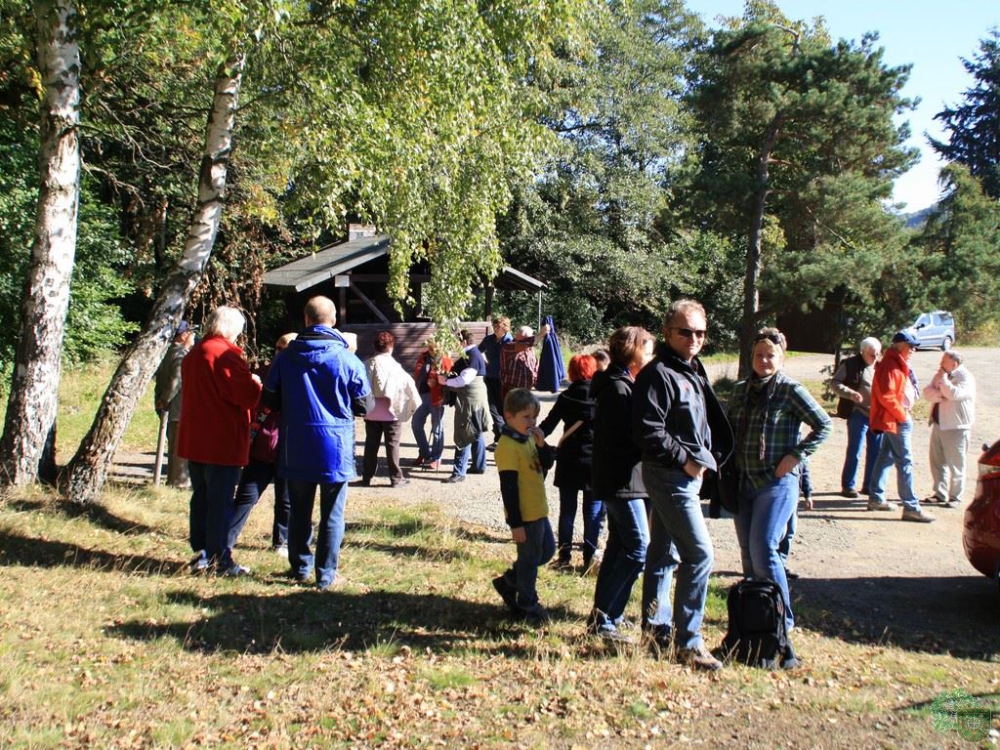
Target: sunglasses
x: 773, y: 338
x: 690, y: 333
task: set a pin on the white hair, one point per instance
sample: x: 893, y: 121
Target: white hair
x: 870, y: 344
x: 955, y: 356
x: 225, y: 321
x: 525, y: 331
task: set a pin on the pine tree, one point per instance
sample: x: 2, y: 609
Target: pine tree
x: 973, y: 126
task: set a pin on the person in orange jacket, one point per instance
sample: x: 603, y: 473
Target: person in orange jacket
x: 893, y: 394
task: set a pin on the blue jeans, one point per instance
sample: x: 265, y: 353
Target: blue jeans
x: 255, y: 479
x: 535, y: 551
x: 785, y: 545
x: 858, y: 433
x: 624, y: 558
x: 432, y: 449
x: 761, y: 524
x: 895, y: 449
x: 477, y: 449
x: 593, y: 512
x: 332, y: 504
x: 213, y: 489
x: 678, y: 540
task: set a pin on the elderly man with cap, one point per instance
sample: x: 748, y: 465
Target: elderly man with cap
x: 893, y: 394
x: 167, y: 398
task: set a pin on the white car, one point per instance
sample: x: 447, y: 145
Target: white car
x: 934, y: 329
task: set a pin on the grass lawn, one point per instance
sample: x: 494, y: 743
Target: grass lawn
x: 107, y: 641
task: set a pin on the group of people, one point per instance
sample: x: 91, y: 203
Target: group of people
x: 877, y: 394
x: 659, y: 442
x: 292, y: 422
x: 644, y: 440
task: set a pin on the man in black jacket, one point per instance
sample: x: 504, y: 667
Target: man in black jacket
x: 683, y: 433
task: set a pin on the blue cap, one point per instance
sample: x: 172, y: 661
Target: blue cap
x: 183, y: 327
x: 905, y: 337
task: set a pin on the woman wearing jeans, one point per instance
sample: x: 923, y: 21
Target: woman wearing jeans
x: 617, y: 480
x: 575, y: 409
x: 767, y: 410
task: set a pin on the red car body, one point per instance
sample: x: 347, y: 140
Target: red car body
x: 981, y: 535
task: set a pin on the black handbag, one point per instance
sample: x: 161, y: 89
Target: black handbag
x: 727, y: 487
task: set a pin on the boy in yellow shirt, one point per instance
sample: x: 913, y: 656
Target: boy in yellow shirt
x: 522, y: 458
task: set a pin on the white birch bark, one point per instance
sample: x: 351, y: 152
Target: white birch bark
x: 87, y: 471
x: 31, y: 406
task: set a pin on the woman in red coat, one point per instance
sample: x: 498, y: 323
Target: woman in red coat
x: 219, y: 392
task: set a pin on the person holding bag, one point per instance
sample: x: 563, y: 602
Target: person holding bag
x: 767, y: 410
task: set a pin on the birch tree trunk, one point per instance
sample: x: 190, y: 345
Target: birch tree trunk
x: 87, y: 471
x: 31, y: 406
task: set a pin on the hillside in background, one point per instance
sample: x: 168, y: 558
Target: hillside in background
x: 917, y: 219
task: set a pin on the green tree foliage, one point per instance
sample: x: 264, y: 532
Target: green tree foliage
x: 797, y: 151
x: 417, y: 119
x: 590, y: 224
x: 973, y: 127
x: 959, y: 249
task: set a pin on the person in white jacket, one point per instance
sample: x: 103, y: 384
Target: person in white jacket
x: 396, y: 398
x: 952, y: 391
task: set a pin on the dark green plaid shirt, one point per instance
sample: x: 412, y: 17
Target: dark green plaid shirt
x: 767, y: 426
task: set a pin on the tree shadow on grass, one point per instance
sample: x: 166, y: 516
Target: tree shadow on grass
x: 47, y: 553
x: 360, y: 534
x: 954, y: 615
x: 418, y: 551
x: 101, y: 516
x: 315, y: 621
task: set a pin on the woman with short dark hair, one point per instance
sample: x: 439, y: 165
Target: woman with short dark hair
x: 396, y: 398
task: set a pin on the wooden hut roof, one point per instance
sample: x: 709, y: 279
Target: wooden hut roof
x: 305, y: 273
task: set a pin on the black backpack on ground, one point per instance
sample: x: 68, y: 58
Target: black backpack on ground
x: 757, y: 636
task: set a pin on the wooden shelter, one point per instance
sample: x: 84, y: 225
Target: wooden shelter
x: 355, y: 274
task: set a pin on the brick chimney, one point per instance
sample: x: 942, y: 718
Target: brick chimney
x: 357, y: 231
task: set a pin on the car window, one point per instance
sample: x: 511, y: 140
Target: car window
x: 922, y: 321
x: 947, y: 319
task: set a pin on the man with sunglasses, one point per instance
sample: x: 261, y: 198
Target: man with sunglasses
x: 683, y: 432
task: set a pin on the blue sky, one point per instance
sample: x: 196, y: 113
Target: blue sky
x: 931, y: 36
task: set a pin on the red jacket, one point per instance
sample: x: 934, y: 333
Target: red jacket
x: 892, y: 374
x: 435, y: 388
x: 217, y: 395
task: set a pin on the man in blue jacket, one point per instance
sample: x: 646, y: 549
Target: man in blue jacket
x: 320, y: 387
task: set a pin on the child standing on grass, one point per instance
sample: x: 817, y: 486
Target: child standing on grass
x: 522, y: 458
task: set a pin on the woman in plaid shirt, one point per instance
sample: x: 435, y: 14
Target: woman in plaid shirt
x: 766, y: 411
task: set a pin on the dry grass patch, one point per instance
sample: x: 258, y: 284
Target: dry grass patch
x: 107, y: 641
